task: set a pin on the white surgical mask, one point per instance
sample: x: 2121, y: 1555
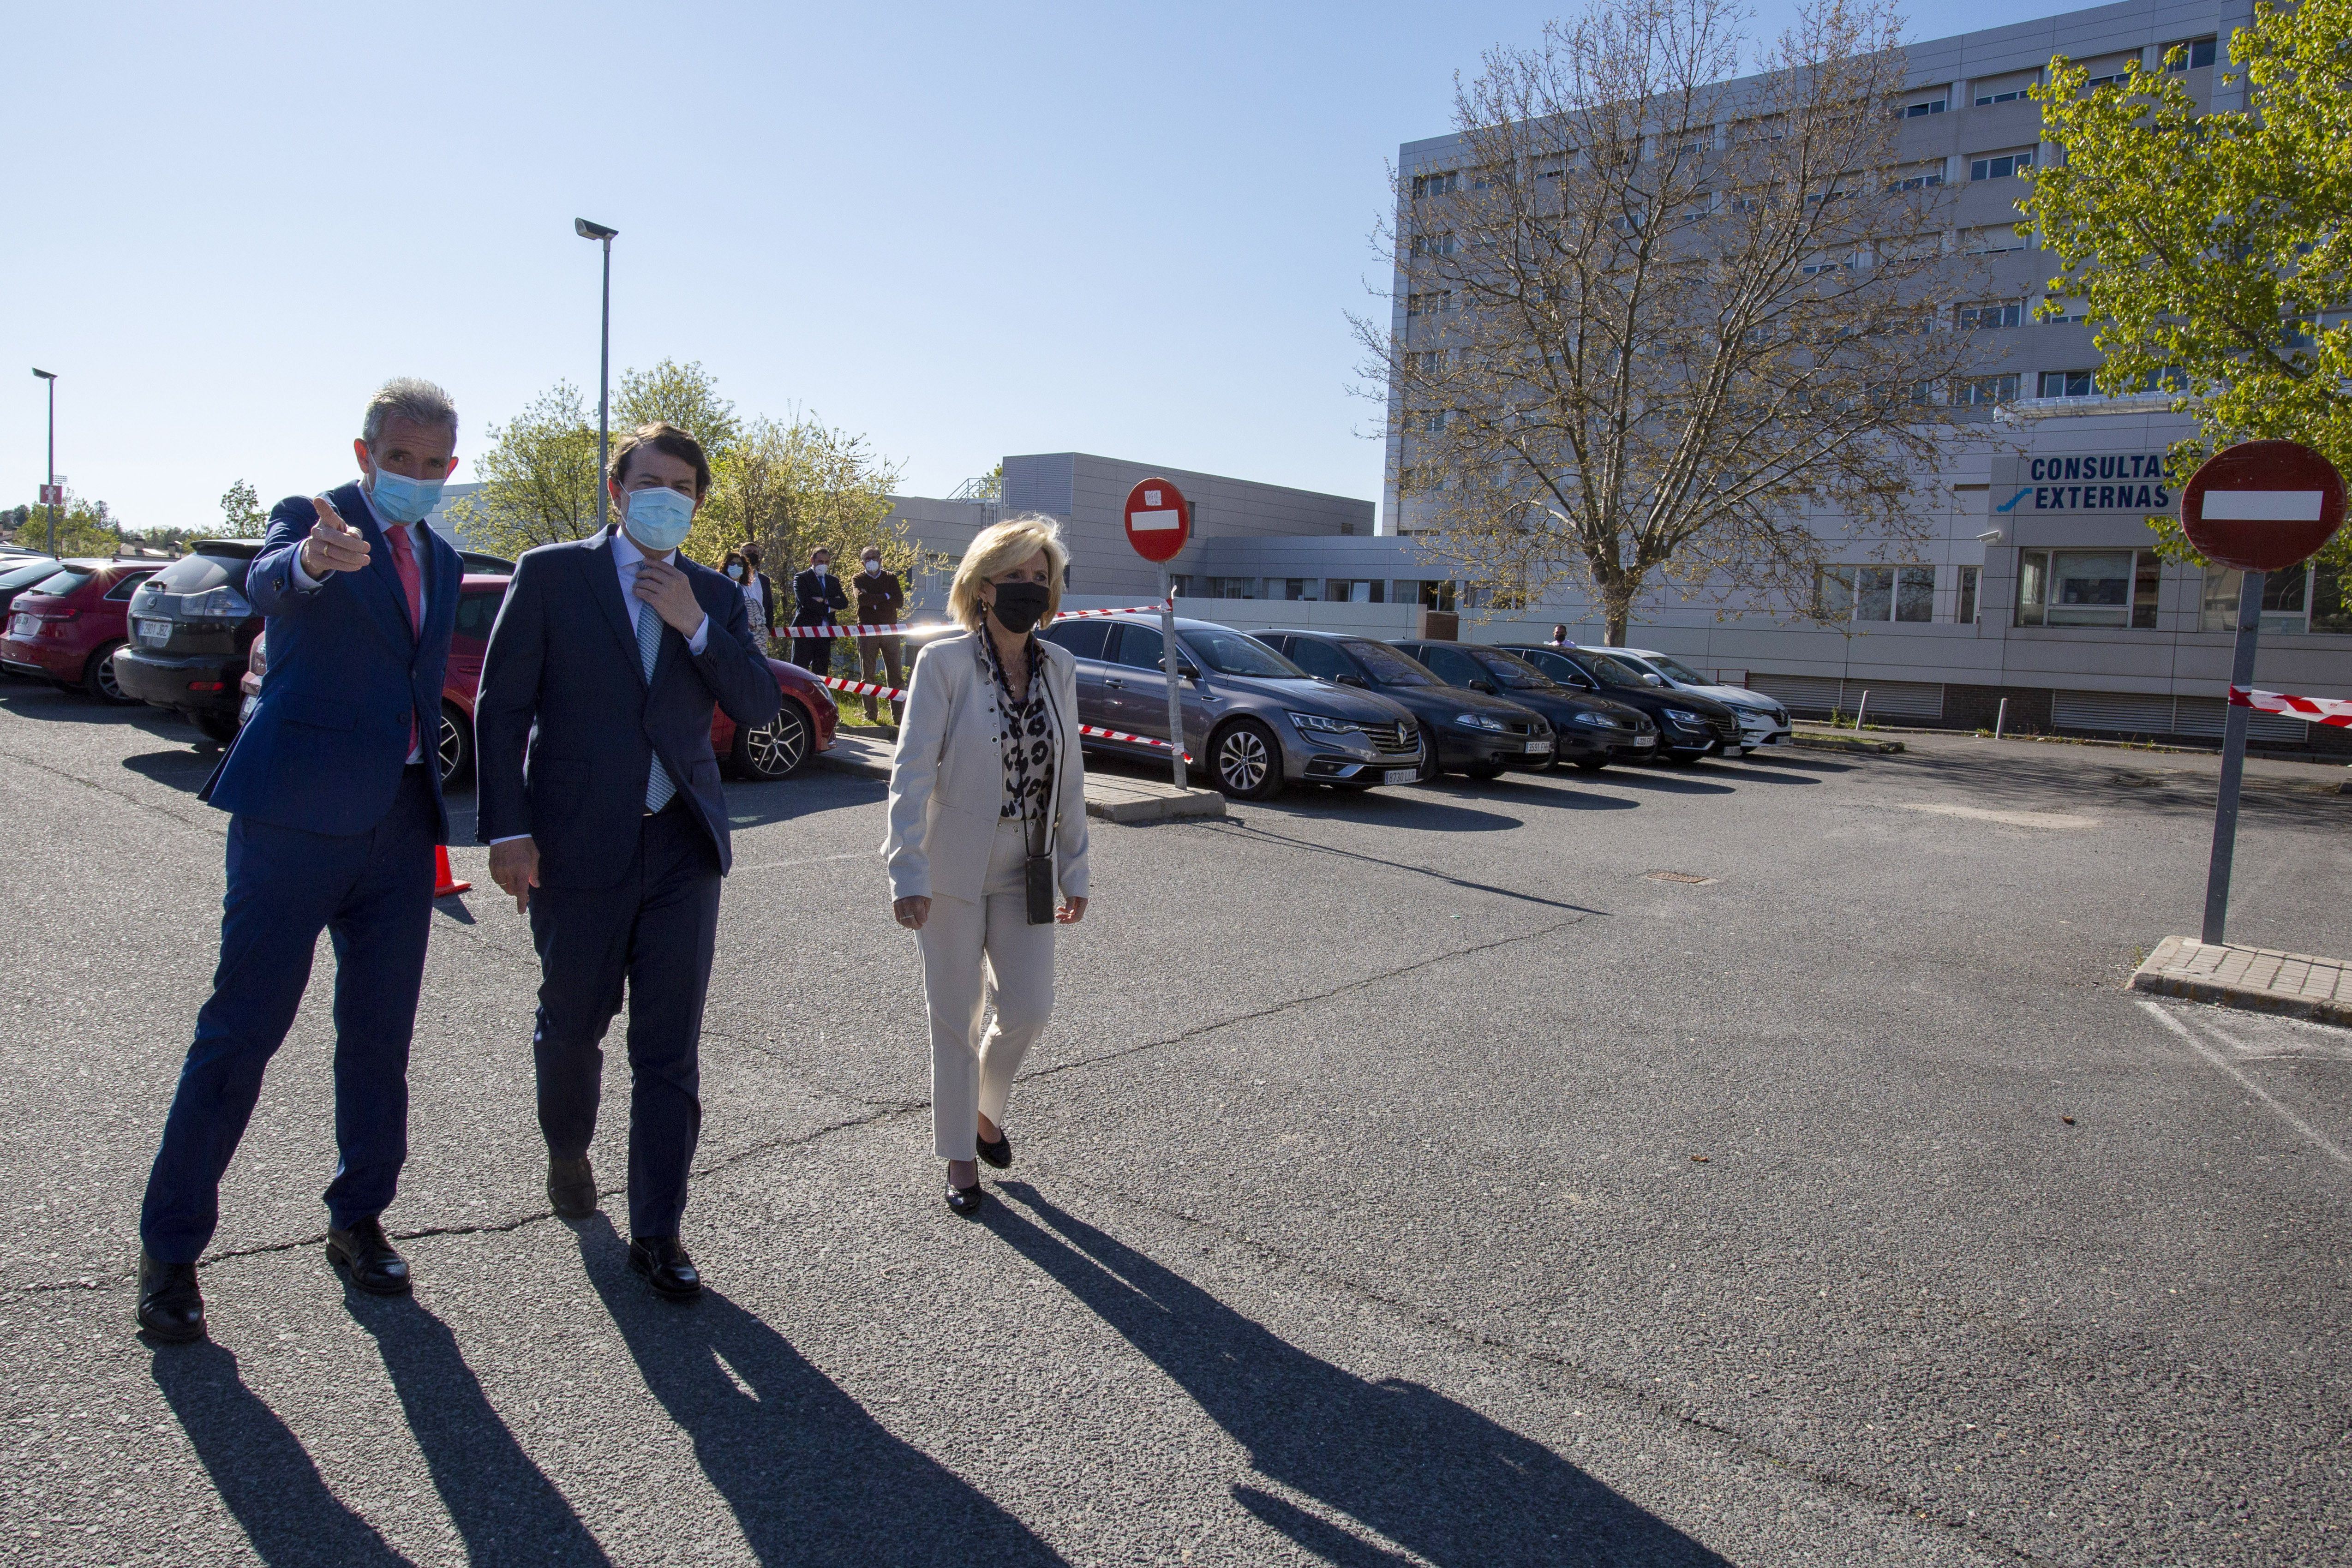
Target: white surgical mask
x: 658, y: 518
x: 824, y: 569
x: 872, y: 565
x: 736, y: 573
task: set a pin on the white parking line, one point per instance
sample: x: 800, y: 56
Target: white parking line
x: 2326, y: 1144
x: 2057, y: 819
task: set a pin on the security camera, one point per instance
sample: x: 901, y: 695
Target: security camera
x: 1990, y: 536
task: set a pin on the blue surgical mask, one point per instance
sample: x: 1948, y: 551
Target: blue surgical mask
x: 400, y: 499
x: 659, y: 519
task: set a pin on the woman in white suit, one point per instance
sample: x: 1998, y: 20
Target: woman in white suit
x: 988, y: 817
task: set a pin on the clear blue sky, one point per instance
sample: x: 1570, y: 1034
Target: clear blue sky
x: 963, y: 231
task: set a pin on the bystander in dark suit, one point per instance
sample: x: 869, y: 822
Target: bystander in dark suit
x: 881, y: 602
x: 816, y: 595
x: 600, y: 800
x: 334, y: 792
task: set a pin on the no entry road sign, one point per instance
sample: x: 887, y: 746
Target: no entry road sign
x: 1158, y: 520
x: 2261, y: 506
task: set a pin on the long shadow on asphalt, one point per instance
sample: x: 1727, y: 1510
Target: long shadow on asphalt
x: 1422, y: 1470
x: 259, y: 1467
x: 810, y: 1477
x: 502, y: 1504
x: 1287, y: 842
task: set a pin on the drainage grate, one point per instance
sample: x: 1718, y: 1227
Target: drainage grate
x: 1677, y: 876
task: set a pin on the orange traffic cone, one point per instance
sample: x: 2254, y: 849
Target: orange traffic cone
x: 445, y: 881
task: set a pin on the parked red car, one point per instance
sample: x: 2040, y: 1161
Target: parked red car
x: 773, y: 750
x: 67, y: 627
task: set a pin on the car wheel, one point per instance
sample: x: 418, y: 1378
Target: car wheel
x: 775, y: 749
x: 1591, y: 765
x: 97, y: 678
x: 217, y: 725
x: 456, y: 746
x: 1247, y: 761
x: 1430, y: 768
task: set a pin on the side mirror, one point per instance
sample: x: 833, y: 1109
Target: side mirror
x: 1486, y: 686
x: 1356, y: 680
x: 1650, y: 680
x: 1188, y: 669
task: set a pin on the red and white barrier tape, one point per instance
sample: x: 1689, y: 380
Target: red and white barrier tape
x: 899, y: 694
x: 2310, y: 709
x: 904, y: 627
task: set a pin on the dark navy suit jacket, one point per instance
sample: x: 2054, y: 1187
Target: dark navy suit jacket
x: 566, y: 726
x: 324, y: 748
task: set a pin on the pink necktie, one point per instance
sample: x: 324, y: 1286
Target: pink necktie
x: 404, y: 561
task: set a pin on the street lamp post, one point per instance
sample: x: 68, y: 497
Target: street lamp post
x: 51, y: 377
x: 597, y: 231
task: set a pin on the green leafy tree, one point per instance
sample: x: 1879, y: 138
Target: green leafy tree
x: 795, y: 485
x: 685, y: 395
x: 539, y: 478
x: 242, y: 515
x: 84, y: 528
x: 2212, y: 250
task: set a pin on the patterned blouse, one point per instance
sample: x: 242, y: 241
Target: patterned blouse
x: 1029, y: 734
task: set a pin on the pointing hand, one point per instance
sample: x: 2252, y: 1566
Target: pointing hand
x: 333, y: 545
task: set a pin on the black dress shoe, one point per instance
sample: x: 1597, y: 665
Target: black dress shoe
x: 665, y: 1267
x: 965, y: 1201
x: 571, y: 1187
x: 999, y: 1153
x: 171, y: 1307
x: 365, y: 1256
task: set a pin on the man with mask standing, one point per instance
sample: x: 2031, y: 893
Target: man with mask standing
x: 816, y: 595
x: 599, y: 797
x: 880, y: 602
x: 335, y: 798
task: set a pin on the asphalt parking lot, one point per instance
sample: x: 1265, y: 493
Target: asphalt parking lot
x: 1419, y: 1178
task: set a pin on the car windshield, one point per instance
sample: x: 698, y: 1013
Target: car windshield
x: 1514, y: 671
x: 1389, y: 666
x: 1610, y: 671
x: 25, y: 576
x: 1234, y: 653
x: 1673, y: 669
x: 60, y: 580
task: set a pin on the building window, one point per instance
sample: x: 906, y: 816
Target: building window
x: 1983, y: 391
x: 2007, y: 95
x: 1195, y: 587
x: 1966, y: 612
x: 2189, y: 54
x: 1432, y: 245
x: 1926, y: 106
x: 1875, y: 594
x: 2067, y: 384
x: 1306, y: 588
x: 1429, y: 594
x: 1355, y: 590
x: 2306, y: 598
x: 1820, y: 264
x: 2087, y: 588
x: 1990, y: 314
x: 1918, y: 177
x: 1434, y: 185
x: 2001, y: 165
x: 1431, y: 304
x: 1995, y: 240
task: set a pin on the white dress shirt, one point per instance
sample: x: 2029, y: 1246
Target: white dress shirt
x: 420, y: 547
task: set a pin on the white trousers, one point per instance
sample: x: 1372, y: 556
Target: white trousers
x: 971, y: 1074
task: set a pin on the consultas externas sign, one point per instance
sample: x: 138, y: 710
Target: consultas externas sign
x: 2080, y: 482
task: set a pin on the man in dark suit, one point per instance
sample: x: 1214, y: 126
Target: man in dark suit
x: 334, y: 792
x: 816, y: 595
x: 599, y: 797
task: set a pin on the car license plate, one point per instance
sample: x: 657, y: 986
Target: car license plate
x: 21, y: 626
x: 154, y: 633
x: 1397, y: 775
x: 1642, y: 742
x: 1540, y: 748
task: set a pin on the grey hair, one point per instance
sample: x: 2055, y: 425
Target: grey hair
x: 408, y: 397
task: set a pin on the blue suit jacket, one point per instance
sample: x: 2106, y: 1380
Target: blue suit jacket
x: 324, y: 748
x: 566, y: 725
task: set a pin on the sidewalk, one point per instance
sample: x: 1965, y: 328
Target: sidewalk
x: 2259, y: 979
x: 1113, y: 797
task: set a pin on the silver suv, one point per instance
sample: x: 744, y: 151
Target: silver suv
x: 1252, y: 717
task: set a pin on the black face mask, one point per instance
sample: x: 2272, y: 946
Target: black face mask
x: 1020, y: 605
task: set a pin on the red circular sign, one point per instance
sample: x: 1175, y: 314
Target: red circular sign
x: 2261, y: 506
x: 1158, y: 520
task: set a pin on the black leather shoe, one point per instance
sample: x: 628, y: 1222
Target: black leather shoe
x: 965, y: 1201
x: 999, y: 1153
x: 171, y: 1307
x: 365, y: 1256
x: 665, y: 1267
x: 571, y: 1187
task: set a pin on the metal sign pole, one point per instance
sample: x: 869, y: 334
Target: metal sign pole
x: 2234, y: 760
x: 1168, y: 657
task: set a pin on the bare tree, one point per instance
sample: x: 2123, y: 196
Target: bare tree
x: 1655, y: 322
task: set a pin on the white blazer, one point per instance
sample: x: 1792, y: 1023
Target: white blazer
x: 947, y: 780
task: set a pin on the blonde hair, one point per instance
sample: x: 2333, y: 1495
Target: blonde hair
x: 999, y: 548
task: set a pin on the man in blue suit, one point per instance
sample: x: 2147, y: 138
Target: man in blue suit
x: 601, y: 803
x: 334, y: 792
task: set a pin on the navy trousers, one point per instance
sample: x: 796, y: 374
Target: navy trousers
x: 653, y: 930
x: 372, y: 892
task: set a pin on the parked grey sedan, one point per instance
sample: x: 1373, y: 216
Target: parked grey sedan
x: 1255, y: 720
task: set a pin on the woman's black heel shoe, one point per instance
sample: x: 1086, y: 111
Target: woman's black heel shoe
x: 999, y: 1153
x: 965, y: 1201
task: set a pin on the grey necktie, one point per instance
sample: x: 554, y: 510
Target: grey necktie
x: 658, y: 789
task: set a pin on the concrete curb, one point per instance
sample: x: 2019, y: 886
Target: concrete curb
x: 1845, y: 743
x: 2258, y: 979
